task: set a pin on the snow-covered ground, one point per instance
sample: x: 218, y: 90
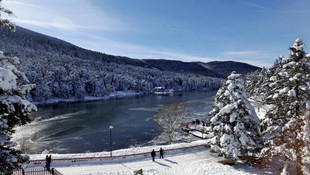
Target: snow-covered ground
x: 196, y: 161
x: 260, y: 109
x: 200, y: 134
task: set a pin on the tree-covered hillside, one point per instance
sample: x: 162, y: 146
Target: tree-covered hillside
x: 226, y: 67
x: 182, y: 67
x: 62, y: 70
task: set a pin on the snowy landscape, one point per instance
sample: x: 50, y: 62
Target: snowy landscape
x: 195, y: 159
x: 240, y: 126
x: 61, y: 104
x: 64, y: 72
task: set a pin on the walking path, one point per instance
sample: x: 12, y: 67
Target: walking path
x: 183, y: 158
x: 197, y: 161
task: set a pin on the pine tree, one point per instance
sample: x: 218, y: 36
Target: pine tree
x: 292, y: 144
x: 251, y: 81
x: 289, y: 91
x: 263, y: 88
x: 14, y: 110
x: 257, y: 83
x: 5, y: 22
x: 234, y: 122
x: 254, y: 83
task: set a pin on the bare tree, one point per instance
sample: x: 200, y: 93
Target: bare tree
x: 169, y: 118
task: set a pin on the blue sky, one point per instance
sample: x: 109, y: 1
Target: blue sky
x: 251, y: 31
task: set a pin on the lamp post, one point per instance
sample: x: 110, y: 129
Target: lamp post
x: 111, y: 127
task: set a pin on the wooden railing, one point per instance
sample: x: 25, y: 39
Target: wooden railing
x: 41, y: 171
x: 53, y: 171
x: 85, y: 159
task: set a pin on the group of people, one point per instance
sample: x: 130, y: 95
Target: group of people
x: 48, y: 161
x: 161, y: 154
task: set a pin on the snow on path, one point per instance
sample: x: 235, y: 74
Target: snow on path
x: 197, y: 161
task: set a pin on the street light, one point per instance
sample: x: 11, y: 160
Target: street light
x: 111, y: 127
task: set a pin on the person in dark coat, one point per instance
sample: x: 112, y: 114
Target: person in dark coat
x: 161, y: 153
x: 48, y: 162
x: 153, y: 154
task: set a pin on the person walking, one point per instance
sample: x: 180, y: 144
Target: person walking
x: 161, y: 153
x: 48, y: 162
x: 153, y: 154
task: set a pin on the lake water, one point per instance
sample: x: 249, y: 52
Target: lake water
x: 84, y: 127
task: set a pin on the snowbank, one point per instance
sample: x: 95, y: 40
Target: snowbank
x: 200, y: 134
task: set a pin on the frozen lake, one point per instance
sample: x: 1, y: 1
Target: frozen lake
x: 84, y: 127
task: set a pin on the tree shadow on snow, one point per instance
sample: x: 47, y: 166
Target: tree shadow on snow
x: 170, y: 161
x: 126, y: 166
x: 272, y: 168
x: 163, y: 164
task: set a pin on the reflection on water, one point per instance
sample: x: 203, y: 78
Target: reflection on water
x: 84, y: 127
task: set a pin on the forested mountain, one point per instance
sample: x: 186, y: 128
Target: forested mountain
x: 226, y: 67
x: 182, y: 67
x: 62, y: 70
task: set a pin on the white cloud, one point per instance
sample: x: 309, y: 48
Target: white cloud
x: 143, y: 52
x: 259, y: 63
x: 77, y: 17
x: 242, y: 53
x: 59, y: 23
x: 253, y: 57
x: 253, y: 4
x: 68, y: 15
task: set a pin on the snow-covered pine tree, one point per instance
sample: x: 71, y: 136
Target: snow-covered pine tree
x: 234, y: 122
x: 253, y: 83
x: 292, y: 144
x: 263, y: 87
x: 5, y: 22
x: 289, y: 91
x: 250, y: 82
x: 14, y: 110
x: 257, y: 83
